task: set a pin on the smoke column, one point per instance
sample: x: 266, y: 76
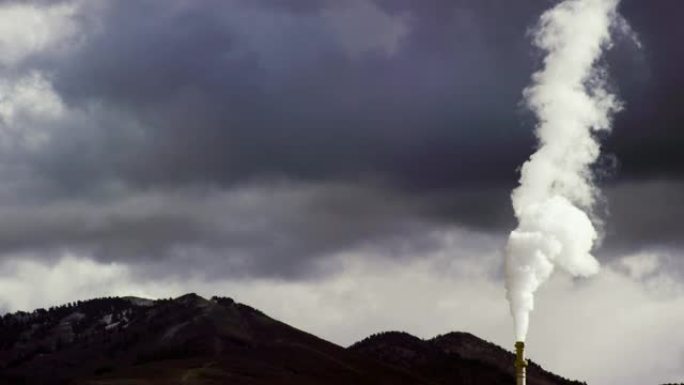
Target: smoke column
x: 555, y: 196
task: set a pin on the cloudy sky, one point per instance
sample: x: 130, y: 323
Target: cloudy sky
x: 344, y: 166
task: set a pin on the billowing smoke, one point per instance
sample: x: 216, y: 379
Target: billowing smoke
x: 554, y: 200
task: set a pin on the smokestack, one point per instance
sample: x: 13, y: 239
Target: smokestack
x: 520, y: 363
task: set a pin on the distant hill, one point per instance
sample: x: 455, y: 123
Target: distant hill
x: 454, y: 358
x: 190, y: 340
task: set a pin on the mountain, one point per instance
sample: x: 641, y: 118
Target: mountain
x: 457, y: 357
x: 190, y: 340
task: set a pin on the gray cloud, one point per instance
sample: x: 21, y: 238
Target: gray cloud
x: 228, y: 91
x: 388, y: 118
x: 646, y: 214
x: 271, y: 230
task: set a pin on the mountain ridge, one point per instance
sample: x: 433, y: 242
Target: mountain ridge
x: 191, y: 340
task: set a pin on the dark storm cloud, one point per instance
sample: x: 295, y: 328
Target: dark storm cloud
x: 646, y: 214
x: 225, y: 91
x: 400, y: 115
x: 272, y: 230
x: 648, y: 137
x: 229, y: 90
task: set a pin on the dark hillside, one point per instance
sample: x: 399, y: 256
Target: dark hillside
x: 194, y: 341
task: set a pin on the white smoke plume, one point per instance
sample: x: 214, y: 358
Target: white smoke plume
x: 555, y: 197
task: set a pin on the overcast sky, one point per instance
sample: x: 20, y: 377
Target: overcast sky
x: 344, y: 166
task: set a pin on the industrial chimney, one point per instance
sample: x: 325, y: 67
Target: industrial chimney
x: 520, y: 363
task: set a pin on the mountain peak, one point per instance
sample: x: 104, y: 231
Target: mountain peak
x: 192, y: 299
